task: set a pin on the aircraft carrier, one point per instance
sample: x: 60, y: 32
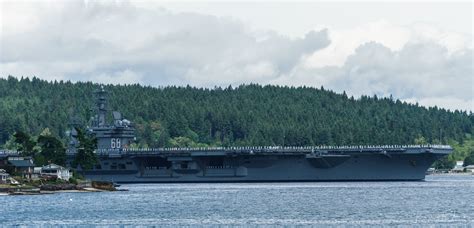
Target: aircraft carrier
x: 120, y: 163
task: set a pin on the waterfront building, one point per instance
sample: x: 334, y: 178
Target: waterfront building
x: 22, y: 166
x: 4, y: 176
x: 458, y: 168
x: 56, y: 171
x: 469, y: 168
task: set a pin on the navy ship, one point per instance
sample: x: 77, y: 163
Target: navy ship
x: 120, y: 163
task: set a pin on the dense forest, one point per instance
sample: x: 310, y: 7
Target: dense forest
x: 245, y: 115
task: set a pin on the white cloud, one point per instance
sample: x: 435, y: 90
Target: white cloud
x: 424, y: 72
x: 450, y: 103
x: 345, y: 41
x: 116, y: 42
x: 118, y: 78
x: 81, y: 41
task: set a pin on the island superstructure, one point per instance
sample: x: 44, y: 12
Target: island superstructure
x: 118, y: 162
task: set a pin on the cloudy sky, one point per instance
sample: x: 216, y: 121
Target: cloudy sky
x: 418, y: 52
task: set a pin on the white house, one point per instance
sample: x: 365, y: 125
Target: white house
x: 56, y: 171
x: 23, y: 166
x: 470, y: 168
x: 4, y: 176
x: 458, y: 168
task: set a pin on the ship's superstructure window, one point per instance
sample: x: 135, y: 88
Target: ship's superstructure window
x: 122, y: 166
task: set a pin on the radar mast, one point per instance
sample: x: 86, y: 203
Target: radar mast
x: 101, y: 101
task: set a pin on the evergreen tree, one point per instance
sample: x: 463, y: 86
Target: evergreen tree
x: 469, y: 160
x: 85, y: 157
x: 26, y: 143
x: 444, y: 163
x: 52, y: 150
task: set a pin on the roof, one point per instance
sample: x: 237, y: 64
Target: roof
x: 52, y: 167
x: 22, y: 163
x: 470, y: 167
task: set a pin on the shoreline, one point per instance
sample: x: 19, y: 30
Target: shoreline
x: 85, y: 190
x: 451, y: 174
x: 52, y: 188
x: 46, y: 192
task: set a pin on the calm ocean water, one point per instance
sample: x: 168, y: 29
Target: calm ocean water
x: 440, y: 200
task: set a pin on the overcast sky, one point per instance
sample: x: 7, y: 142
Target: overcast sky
x: 418, y: 52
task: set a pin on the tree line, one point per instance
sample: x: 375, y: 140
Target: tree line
x: 247, y: 115
x: 47, y: 148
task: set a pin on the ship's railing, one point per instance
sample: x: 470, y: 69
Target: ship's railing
x: 271, y: 149
x: 8, y: 152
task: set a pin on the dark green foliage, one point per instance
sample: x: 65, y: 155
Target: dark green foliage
x: 77, y: 175
x: 73, y: 180
x: 85, y: 158
x: 52, y: 151
x: 469, y: 160
x: 25, y: 142
x: 45, y: 148
x: 246, y: 115
x: 444, y: 163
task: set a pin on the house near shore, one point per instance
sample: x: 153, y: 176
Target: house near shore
x: 55, y: 171
x: 469, y: 168
x: 4, y: 176
x: 458, y: 168
x: 22, y: 166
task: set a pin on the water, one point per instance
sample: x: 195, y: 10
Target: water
x: 440, y: 200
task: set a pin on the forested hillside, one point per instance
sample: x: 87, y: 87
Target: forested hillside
x: 246, y: 115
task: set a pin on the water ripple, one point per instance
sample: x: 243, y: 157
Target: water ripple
x: 444, y: 200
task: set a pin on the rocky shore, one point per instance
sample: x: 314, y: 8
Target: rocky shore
x: 59, y: 187
x: 50, y: 188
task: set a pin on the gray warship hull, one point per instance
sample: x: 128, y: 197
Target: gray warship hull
x: 265, y: 165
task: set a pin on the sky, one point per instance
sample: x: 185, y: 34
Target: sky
x: 417, y: 52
